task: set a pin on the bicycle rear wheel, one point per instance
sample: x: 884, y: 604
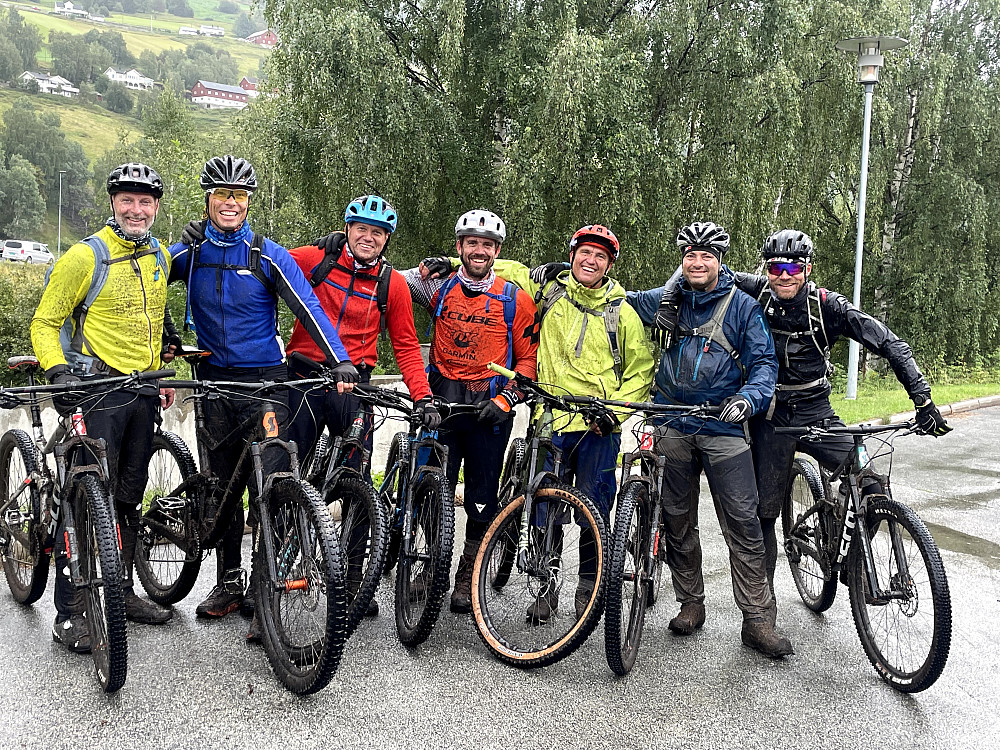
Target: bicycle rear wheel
x: 423, y: 573
x: 300, y: 594
x: 100, y: 568
x: 167, y: 572
x: 627, y: 593
x: 806, y: 489
x: 25, y: 562
x: 905, y: 625
x: 510, y: 480
x: 362, y: 532
x: 564, y: 560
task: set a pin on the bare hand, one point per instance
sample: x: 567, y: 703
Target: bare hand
x: 167, y: 396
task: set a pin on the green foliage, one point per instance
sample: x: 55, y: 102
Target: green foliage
x: 20, y: 291
x: 118, y: 99
x: 19, y: 44
x: 180, y: 8
x: 21, y: 206
x: 114, y: 43
x: 77, y: 59
x: 228, y: 6
x: 244, y: 26
x: 181, y: 69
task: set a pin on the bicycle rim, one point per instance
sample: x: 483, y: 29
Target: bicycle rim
x: 806, y: 489
x: 625, y: 611
x: 302, y: 610
x: 562, y: 523
x: 167, y: 572
x: 25, y: 564
x: 905, y: 627
x: 100, y: 568
x: 423, y: 573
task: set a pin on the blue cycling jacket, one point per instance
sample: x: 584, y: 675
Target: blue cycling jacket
x: 235, y: 314
x: 690, y: 374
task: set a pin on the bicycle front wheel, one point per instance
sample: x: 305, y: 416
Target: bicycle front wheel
x: 362, y: 532
x: 25, y: 563
x: 300, y: 594
x: 424, y: 568
x: 904, y: 623
x: 625, y: 610
x: 555, y: 595
x: 166, y: 571
x: 100, y: 569
x: 806, y: 490
x: 397, y: 462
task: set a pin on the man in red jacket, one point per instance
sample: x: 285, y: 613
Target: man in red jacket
x: 363, y: 296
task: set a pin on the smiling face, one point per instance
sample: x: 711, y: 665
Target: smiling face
x: 590, y: 263
x: 134, y: 212
x: 785, y: 284
x: 477, y: 254
x: 366, y: 240
x: 226, y: 212
x: 701, y: 270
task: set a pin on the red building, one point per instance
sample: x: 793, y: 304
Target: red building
x: 265, y: 38
x: 213, y: 95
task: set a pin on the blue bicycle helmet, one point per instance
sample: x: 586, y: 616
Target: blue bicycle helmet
x: 371, y: 209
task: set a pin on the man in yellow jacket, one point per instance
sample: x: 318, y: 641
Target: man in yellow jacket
x: 115, y: 328
x: 592, y: 343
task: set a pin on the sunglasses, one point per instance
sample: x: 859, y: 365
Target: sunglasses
x: 224, y: 194
x: 775, y: 268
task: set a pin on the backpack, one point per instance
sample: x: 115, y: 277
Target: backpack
x: 713, y: 330
x: 611, y: 315
x: 508, y: 299
x: 383, y: 278
x: 71, y: 337
x: 256, y: 245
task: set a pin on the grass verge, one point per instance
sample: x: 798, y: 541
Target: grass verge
x: 883, y: 403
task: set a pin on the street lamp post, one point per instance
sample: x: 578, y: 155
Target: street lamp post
x: 869, y: 51
x: 59, y: 230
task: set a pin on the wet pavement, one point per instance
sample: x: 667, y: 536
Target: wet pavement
x: 194, y: 684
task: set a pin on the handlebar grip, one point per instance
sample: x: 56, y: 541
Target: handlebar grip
x: 156, y: 374
x: 500, y: 369
x: 303, y: 360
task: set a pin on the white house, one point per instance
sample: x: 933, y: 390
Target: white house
x: 68, y: 9
x: 187, y: 31
x: 132, y: 79
x: 206, y: 30
x: 51, y: 84
x: 213, y: 95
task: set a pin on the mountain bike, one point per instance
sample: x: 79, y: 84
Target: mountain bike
x: 298, y: 578
x: 35, y: 502
x: 421, y: 512
x: 893, y: 570
x: 635, y: 567
x: 548, y: 538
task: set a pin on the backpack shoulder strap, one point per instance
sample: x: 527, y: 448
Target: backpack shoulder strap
x: 256, y: 246
x: 612, y: 314
x: 547, y: 296
x: 509, y: 310
x: 713, y: 330
x: 326, y: 265
x: 382, y: 294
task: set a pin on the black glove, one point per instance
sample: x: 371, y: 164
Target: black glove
x: 665, y: 321
x: 930, y: 421
x: 194, y: 232
x: 606, y: 421
x: 439, y: 266
x: 736, y: 409
x: 345, y: 372
x: 546, y: 272
x: 498, y: 409
x: 65, y: 403
x: 331, y: 244
x: 430, y: 417
x: 171, y: 340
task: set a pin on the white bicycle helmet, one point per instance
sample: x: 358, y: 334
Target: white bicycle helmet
x: 481, y: 223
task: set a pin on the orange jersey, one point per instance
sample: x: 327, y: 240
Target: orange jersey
x: 471, y: 332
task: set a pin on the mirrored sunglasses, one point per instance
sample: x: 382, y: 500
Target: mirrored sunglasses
x: 775, y: 268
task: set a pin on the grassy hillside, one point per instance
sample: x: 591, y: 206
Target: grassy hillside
x: 164, y: 35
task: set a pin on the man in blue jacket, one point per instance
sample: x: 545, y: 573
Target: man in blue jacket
x: 722, y: 354
x: 234, y: 278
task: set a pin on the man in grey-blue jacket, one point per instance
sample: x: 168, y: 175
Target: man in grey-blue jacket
x: 721, y: 354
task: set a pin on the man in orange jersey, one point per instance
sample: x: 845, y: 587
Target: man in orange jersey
x: 478, y: 318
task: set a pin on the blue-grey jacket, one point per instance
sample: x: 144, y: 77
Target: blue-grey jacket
x: 688, y: 374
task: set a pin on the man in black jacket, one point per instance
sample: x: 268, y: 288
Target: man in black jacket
x: 806, y: 322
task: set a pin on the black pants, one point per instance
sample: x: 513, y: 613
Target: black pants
x: 229, y: 422
x: 126, y: 420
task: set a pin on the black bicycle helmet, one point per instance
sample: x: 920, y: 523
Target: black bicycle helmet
x: 788, y: 243
x: 135, y: 178
x: 228, y: 171
x: 703, y: 234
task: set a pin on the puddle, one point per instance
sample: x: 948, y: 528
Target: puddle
x: 966, y: 544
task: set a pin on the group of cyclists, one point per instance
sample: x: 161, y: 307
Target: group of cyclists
x: 758, y: 345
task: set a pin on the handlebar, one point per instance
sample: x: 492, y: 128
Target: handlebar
x: 825, y: 428
x: 123, y: 381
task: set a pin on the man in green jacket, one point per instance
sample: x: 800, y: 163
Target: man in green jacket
x: 592, y: 343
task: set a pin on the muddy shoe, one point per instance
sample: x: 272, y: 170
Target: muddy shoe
x: 761, y: 636
x: 690, y: 618
x: 73, y: 633
x: 581, y: 599
x: 220, y: 602
x: 145, y: 611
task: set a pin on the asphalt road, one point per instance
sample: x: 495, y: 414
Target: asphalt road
x: 195, y: 684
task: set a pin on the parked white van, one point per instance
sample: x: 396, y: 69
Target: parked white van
x: 25, y: 251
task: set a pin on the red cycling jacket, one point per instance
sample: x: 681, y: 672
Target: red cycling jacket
x: 350, y: 302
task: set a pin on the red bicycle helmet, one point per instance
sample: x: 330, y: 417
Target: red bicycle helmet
x: 596, y: 234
